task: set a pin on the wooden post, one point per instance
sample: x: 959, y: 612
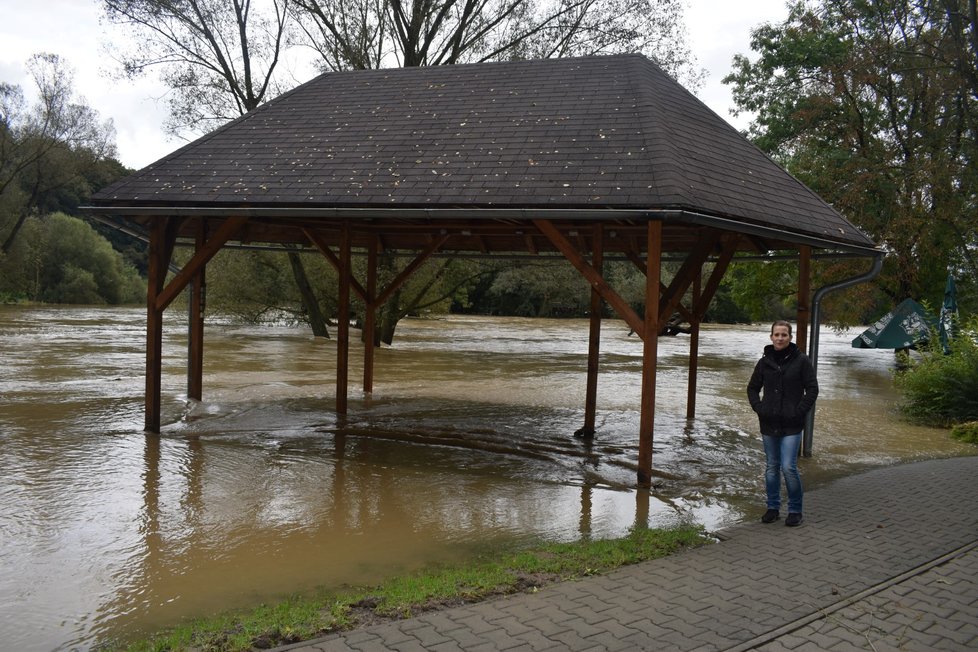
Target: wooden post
x: 343, y: 325
x: 650, y: 347
x: 156, y: 275
x: 195, y: 347
x: 694, y: 351
x: 370, y: 316
x: 594, y: 338
x: 804, y: 296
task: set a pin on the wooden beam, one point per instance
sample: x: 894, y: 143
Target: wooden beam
x: 593, y: 277
x: 227, y: 229
x: 406, y: 273
x: 719, y: 269
x: 694, y: 352
x: 804, y: 296
x: 318, y: 241
x: 684, y: 277
x: 162, y: 237
x: 195, y: 348
x: 594, y: 337
x: 343, y: 322
x: 680, y: 308
x: 650, y: 352
x: 370, y: 316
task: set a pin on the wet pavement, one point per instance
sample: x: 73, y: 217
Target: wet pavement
x: 885, y: 560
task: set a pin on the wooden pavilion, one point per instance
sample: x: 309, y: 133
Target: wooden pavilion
x: 582, y: 157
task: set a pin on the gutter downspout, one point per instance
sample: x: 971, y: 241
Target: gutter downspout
x: 806, y: 449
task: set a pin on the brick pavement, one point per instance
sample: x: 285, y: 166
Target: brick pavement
x: 886, y: 560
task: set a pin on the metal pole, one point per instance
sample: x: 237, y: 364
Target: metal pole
x: 806, y: 449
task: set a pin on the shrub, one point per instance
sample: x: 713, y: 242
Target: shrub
x: 942, y: 389
x: 62, y: 259
x: 966, y: 432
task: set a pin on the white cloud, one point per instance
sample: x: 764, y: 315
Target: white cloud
x: 718, y: 30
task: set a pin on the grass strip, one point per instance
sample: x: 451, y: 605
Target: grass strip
x: 303, y: 617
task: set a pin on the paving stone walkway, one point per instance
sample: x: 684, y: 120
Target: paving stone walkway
x: 885, y: 560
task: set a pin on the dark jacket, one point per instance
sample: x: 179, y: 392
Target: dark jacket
x: 782, y: 394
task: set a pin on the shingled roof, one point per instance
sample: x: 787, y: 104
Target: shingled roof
x: 611, y: 138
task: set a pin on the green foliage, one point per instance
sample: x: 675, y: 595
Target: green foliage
x: 942, y: 389
x: 258, y: 286
x: 966, y: 432
x: 300, y: 618
x: 765, y: 290
x: 724, y: 309
x: 540, y: 289
x: 61, y: 259
x: 53, y: 154
x: 872, y: 105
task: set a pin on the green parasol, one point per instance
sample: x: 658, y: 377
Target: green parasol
x: 906, y: 326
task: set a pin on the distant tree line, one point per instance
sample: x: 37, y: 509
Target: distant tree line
x: 54, y: 153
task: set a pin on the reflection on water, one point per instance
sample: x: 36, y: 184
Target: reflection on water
x: 259, y: 491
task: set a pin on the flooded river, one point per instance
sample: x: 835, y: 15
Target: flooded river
x: 466, y: 444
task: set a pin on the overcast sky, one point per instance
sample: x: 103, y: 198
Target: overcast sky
x: 718, y: 30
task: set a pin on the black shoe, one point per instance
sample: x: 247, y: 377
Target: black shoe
x: 770, y: 516
x: 794, y: 518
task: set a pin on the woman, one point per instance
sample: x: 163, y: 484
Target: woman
x: 781, y: 391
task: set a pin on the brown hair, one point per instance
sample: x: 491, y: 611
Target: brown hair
x: 781, y: 322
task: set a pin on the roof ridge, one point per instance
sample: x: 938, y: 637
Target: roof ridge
x: 656, y: 134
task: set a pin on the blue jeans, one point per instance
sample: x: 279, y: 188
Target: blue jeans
x: 782, y: 458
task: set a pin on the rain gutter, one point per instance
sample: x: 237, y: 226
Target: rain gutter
x: 142, y: 236
x: 818, y: 242
x: 674, y: 215
x: 806, y: 449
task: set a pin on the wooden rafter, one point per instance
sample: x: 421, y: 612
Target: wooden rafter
x: 200, y: 258
x: 592, y: 276
x: 719, y: 269
x: 690, y: 270
x: 412, y: 267
x: 334, y: 260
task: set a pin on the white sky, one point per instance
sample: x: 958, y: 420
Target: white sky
x: 718, y: 30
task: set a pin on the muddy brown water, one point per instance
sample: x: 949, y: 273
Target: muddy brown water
x: 465, y: 445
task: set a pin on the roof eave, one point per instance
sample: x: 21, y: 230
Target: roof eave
x: 678, y: 216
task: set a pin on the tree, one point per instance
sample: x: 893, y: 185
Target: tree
x: 47, y: 150
x: 254, y: 286
x: 435, y: 287
x: 871, y: 105
x: 62, y: 259
x: 220, y: 59
x: 362, y: 34
x: 541, y: 289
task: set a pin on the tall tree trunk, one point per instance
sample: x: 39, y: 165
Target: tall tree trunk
x: 309, y: 302
x: 389, y: 316
x: 9, y: 241
x: 27, y: 209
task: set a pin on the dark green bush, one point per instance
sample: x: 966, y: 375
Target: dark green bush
x: 966, y: 432
x: 942, y: 389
